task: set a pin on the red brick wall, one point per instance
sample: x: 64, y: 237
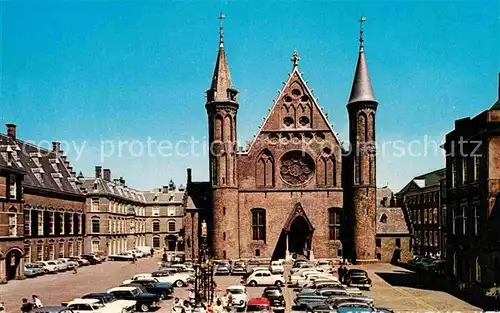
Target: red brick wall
x: 364, y: 223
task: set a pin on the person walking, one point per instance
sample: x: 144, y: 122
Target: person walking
x: 341, y: 274
x: 218, y: 307
x: 26, y: 306
x: 36, y: 301
x: 152, y: 252
x: 75, y: 269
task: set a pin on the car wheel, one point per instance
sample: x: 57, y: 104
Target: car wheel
x: 253, y: 283
x: 179, y: 283
x: 144, y: 307
x: 278, y: 283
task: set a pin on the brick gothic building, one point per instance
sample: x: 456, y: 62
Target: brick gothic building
x: 422, y: 198
x: 473, y: 197
x: 42, y: 208
x: 295, y: 189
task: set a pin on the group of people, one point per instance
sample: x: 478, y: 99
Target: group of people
x: 342, y: 272
x: 221, y: 305
x: 29, y: 306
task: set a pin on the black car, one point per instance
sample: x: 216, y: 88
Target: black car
x: 276, y: 298
x: 162, y: 289
x: 358, y: 278
x: 145, y: 301
x: 102, y: 296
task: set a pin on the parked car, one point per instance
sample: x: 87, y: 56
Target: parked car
x: 322, y: 308
x: 277, y: 267
x: 350, y: 307
x: 358, y: 278
x: 50, y: 266
x: 69, y: 263
x: 146, y: 250
x: 144, y: 301
x: 222, y: 269
x: 239, y: 294
x: 416, y: 260
x: 109, y: 301
x: 91, y: 258
x: 152, y: 285
x: 36, y: 268
x: 163, y: 277
x: 265, y: 278
x: 259, y: 305
x: 137, y: 253
x: 253, y: 262
x: 52, y: 309
x: 276, y: 298
x: 123, y: 256
x: 63, y: 266
x: 89, y: 305
x: 239, y: 268
x: 29, y: 272
x: 81, y: 261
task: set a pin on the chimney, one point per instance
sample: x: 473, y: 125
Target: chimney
x: 188, y: 175
x: 107, y: 174
x: 56, y: 146
x: 11, y: 131
x: 98, y: 171
x: 164, y: 189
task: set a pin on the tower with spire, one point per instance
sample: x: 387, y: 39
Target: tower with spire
x: 361, y: 176
x: 222, y: 108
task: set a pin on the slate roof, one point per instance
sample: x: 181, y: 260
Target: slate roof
x: 199, y: 195
x: 426, y: 180
x: 397, y: 218
x: 44, y: 169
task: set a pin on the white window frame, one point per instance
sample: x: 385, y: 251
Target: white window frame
x: 13, y: 187
x: 13, y: 224
x: 453, y: 174
x: 40, y: 223
x: 94, y: 205
x: 477, y: 218
x: 27, y: 222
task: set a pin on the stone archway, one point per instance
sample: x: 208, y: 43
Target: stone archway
x: 12, y: 263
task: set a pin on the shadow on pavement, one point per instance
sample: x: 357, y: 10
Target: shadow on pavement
x: 412, y: 280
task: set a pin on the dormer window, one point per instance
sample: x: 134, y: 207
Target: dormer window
x: 13, y: 187
x: 383, y: 218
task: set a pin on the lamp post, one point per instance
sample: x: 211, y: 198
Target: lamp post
x: 204, y: 284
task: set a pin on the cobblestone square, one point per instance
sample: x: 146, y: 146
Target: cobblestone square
x: 390, y: 288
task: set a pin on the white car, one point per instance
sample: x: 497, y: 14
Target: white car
x: 95, y: 305
x: 301, y: 266
x: 265, y: 278
x: 313, y: 277
x: 301, y: 274
x: 277, y: 267
x: 50, y: 266
x: 163, y: 277
x: 239, y: 294
x: 69, y: 263
x: 137, y: 253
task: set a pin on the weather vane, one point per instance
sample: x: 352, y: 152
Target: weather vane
x: 221, y: 29
x: 295, y: 58
x: 361, y: 40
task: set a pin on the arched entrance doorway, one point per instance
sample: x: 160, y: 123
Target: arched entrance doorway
x: 296, y: 237
x: 171, y: 241
x: 12, y: 263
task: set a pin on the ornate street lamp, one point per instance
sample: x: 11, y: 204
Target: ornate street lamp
x: 204, y: 269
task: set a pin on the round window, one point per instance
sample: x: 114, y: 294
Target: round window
x: 297, y: 167
x: 304, y: 121
x: 288, y: 121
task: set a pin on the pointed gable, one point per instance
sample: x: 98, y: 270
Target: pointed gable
x: 298, y: 211
x: 296, y: 110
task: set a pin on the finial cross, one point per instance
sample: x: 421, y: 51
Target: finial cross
x: 295, y: 58
x: 221, y: 28
x: 361, y: 40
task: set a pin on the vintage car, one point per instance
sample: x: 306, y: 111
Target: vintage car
x: 70, y: 264
x: 223, y: 269
x: 175, y: 279
x: 264, y: 278
x: 239, y: 268
x: 50, y: 266
x: 152, y: 285
x: 33, y: 270
x: 144, y: 301
x: 81, y: 261
x: 277, y: 267
x: 94, y: 305
x: 123, y: 256
x: 259, y: 305
x: 52, y: 309
x: 322, y: 308
x: 107, y: 298
x: 350, y: 307
x: 93, y: 259
x: 358, y: 278
x: 276, y: 298
x: 239, y: 294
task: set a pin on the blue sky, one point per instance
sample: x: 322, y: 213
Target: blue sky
x: 93, y: 71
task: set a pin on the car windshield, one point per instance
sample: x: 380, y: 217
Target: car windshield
x: 236, y: 291
x: 257, y: 307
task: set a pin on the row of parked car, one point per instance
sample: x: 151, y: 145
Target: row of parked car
x: 143, y: 292
x: 60, y: 265
x: 428, y: 264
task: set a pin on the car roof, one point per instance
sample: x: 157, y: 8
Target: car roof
x: 236, y: 287
x: 86, y: 301
x: 122, y: 289
x: 257, y: 301
x: 50, y: 309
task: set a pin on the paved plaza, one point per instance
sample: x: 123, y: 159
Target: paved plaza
x: 391, y: 287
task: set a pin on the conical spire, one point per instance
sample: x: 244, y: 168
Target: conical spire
x: 222, y: 85
x: 361, y: 85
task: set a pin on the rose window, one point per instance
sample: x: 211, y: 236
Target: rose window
x: 296, y: 168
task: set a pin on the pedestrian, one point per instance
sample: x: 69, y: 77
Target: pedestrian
x: 2, y: 307
x: 191, y: 296
x: 164, y: 257
x: 36, y: 301
x: 177, y: 306
x: 341, y: 274
x: 152, y: 252
x: 75, y: 269
x: 188, y: 308
x: 26, y: 306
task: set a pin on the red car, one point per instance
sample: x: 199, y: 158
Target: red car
x: 259, y: 305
